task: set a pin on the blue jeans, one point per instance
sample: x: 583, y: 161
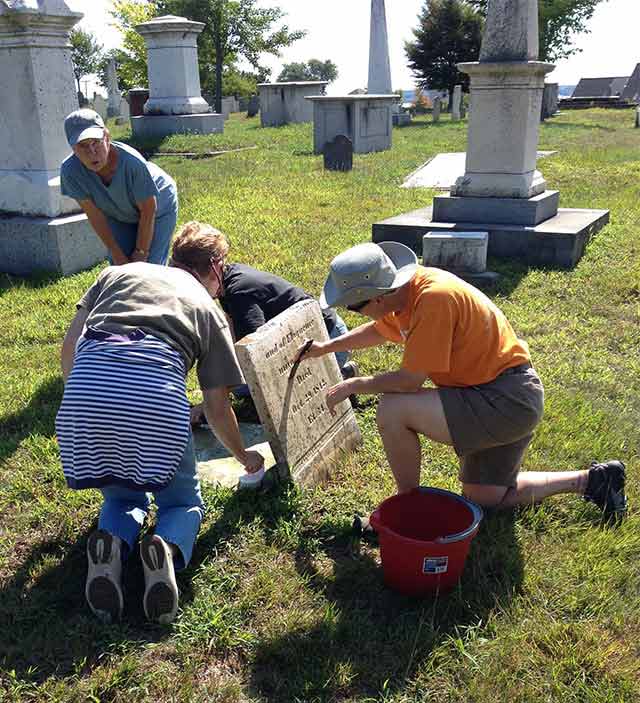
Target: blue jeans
x: 126, y: 233
x: 340, y: 329
x: 180, y: 510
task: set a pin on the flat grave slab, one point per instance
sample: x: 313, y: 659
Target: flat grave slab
x: 442, y: 171
x: 215, y: 463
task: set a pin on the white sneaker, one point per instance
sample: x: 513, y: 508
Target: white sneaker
x: 103, y: 589
x: 161, y: 590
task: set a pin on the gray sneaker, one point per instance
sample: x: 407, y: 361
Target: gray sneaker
x: 103, y: 589
x: 605, y: 488
x: 349, y: 370
x: 161, y: 590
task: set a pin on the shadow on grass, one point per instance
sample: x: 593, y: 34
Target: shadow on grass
x: 376, y: 639
x: 37, y: 417
x: 36, y: 281
x: 46, y: 627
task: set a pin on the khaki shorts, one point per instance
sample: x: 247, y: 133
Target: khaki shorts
x: 492, y: 424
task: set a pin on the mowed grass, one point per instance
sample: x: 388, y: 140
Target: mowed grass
x: 281, y: 603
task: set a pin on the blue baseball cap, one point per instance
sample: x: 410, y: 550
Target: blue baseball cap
x: 83, y: 124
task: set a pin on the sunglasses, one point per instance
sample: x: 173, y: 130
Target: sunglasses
x: 358, y: 306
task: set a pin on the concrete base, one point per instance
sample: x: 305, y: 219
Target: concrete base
x: 158, y: 126
x: 63, y: 245
x: 559, y: 242
x: 504, y: 211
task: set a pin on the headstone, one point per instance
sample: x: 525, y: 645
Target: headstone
x: 506, y: 87
x: 40, y: 229
x: 243, y: 104
x: 253, y: 108
x: 137, y: 98
x: 379, y: 66
x: 437, y: 106
x: 459, y: 252
x: 455, y: 106
x: 100, y: 105
x: 227, y: 106
x: 290, y: 398
x: 638, y: 117
x: 113, y: 91
x: 338, y: 154
x: 175, y: 104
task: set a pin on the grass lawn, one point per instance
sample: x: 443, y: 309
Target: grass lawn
x: 280, y: 602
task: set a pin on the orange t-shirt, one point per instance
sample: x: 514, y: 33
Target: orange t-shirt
x: 452, y: 332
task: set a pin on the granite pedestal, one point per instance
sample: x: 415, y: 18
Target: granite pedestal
x: 64, y: 244
x: 158, y: 126
x: 365, y: 119
x: 558, y: 242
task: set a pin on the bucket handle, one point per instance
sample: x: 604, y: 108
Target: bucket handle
x: 475, y: 509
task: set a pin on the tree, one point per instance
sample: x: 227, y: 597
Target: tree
x: 131, y: 58
x: 233, y: 29
x: 558, y: 21
x: 85, y: 54
x: 313, y: 70
x: 450, y: 32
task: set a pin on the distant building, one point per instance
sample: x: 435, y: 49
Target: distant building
x: 612, y: 91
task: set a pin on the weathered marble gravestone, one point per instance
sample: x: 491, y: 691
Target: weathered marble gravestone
x: 175, y: 104
x: 338, y: 154
x: 437, y: 107
x: 501, y: 191
x: 456, y: 103
x: 113, y: 91
x: 290, y: 398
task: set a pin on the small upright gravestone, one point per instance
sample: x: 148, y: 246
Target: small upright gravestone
x: 638, y: 117
x: 437, y: 106
x: 254, y: 106
x: 456, y: 102
x: 290, y: 397
x: 338, y: 154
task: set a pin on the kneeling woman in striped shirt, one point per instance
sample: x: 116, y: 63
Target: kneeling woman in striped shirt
x: 123, y: 425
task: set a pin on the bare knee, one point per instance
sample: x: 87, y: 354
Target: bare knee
x: 486, y: 496
x: 389, y: 411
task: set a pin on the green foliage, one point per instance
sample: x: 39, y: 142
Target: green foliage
x: 449, y: 32
x: 85, y: 53
x: 233, y: 29
x: 313, y: 70
x: 131, y: 59
x: 558, y: 20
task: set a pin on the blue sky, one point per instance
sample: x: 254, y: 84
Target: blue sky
x: 339, y: 30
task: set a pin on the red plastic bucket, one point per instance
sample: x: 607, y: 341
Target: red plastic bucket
x: 425, y: 537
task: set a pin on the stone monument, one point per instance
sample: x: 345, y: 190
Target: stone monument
x: 175, y: 104
x: 290, y: 397
x: 456, y: 103
x: 285, y: 103
x: 338, y: 154
x: 113, y: 91
x: 501, y: 191
x: 40, y: 229
x: 365, y: 119
x: 437, y: 106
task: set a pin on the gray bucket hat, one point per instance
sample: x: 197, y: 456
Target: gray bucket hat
x: 366, y: 271
x: 83, y: 124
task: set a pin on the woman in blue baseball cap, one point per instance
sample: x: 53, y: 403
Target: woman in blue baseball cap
x: 131, y: 203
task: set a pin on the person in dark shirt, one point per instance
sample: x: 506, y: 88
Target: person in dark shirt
x: 250, y: 298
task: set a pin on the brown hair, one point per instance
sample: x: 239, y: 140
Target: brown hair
x: 196, y: 244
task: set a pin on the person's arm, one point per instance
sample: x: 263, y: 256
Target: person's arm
x: 400, y: 381
x: 146, y: 223
x: 222, y: 420
x: 70, y: 340
x: 100, y: 224
x: 360, y: 337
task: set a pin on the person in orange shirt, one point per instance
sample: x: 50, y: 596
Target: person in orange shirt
x: 487, y: 399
